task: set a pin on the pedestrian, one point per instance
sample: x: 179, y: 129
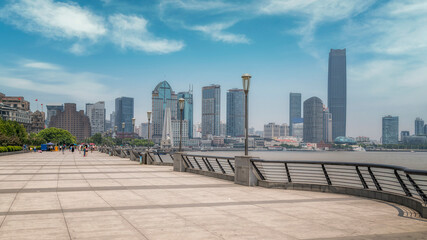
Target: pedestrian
x: 84, y: 151
x: 63, y: 149
x: 72, y: 149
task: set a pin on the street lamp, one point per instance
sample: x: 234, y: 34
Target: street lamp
x: 181, y: 108
x: 149, y: 118
x: 246, y: 79
x: 123, y: 130
x: 133, y: 126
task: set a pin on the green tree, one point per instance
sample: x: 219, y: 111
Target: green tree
x: 57, y: 136
x: 12, y: 133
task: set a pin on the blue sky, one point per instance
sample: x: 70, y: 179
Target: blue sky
x: 87, y: 51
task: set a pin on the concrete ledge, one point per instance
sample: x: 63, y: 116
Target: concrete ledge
x: 415, y: 204
x: 13, y: 153
x: 161, y: 164
x: 211, y: 174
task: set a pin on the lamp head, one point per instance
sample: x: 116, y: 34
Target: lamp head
x: 181, y: 103
x: 123, y: 124
x: 149, y: 115
x: 133, y: 121
x: 246, y: 79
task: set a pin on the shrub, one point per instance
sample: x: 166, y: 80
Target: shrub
x: 10, y: 148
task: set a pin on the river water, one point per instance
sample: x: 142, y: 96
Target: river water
x: 413, y: 160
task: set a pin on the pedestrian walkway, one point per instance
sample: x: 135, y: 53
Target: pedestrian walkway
x: 56, y: 196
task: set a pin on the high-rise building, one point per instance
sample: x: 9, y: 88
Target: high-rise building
x: 235, y: 112
x: 73, y: 121
x: 390, y: 133
x: 124, y: 114
x: 419, y: 126
x: 96, y: 113
x: 51, y: 111
x: 211, y: 110
x: 271, y: 130
x: 403, y: 135
x: 188, y: 110
x: 294, y: 109
x: 327, y: 126
x: 313, y: 120
x: 175, y: 126
x: 284, y: 130
x: 425, y: 129
x: 163, y: 97
x: 298, y: 127
x: 337, y: 91
x: 222, y: 129
x: 197, y: 130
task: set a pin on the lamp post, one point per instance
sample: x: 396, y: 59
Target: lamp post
x: 123, y: 130
x: 246, y: 79
x: 149, y: 118
x: 181, y: 108
x: 133, y: 126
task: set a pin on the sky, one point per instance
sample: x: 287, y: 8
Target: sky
x: 88, y: 51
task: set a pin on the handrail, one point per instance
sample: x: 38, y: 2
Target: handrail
x: 197, y: 155
x: 214, y: 164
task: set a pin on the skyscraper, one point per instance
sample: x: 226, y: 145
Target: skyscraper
x: 211, y: 110
x: 96, y: 113
x: 235, y: 112
x: 188, y: 110
x: 294, y: 109
x: 313, y: 120
x: 75, y: 122
x: 124, y: 114
x: 327, y: 126
x: 163, y: 97
x: 390, y: 133
x: 337, y: 91
x: 419, y: 126
x: 51, y: 111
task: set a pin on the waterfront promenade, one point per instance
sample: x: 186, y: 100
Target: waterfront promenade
x: 55, y: 196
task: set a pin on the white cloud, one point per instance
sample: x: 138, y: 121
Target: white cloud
x: 216, y: 32
x: 54, y: 19
x: 197, y: 5
x: 40, y: 65
x: 130, y: 32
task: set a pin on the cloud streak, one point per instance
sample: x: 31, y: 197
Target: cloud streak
x: 216, y: 33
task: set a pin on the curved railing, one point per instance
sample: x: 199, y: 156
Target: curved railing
x: 160, y: 157
x: 378, y: 177
x: 216, y: 164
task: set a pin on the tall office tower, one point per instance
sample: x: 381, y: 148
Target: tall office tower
x: 419, y: 126
x: 222, y: 129
x: 188, y: 110
x: 163, y: 97
x: 390, y: 133
x: 51, y: 111
x: 327, y: 126
x: 176, y: 131
x: 75, y: 122
x: 337, y: 91
x: 294, y: 109
x: 403, y: 134
x: 112, y: 120
x: 96, y: 113
x: 235, y: 112
x: 211, y: 110
x: 313, y: 120
x: 124, y: 114
x: 425, y: 129
x: 298, y: 127
x: 197, y: 130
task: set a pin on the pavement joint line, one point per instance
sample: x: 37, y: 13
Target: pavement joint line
x: 59, y: 200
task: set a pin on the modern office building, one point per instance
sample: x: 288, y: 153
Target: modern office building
x: 175, y: 125
x: 163, y: 97
x: 419, y: 127
x: 51, y: 111
x: 337, y: 91
x: 211, y: 110
x: 188, y: 110
x: 284, y: 130
x: 327, y: 126
x: 73, y: 121
x: 294, y: 109
x: 144, y: 130
x: 313, y: 120
x: 403, y: 135
x: 235, y: 113
x: 390, y: 130
x: 298, y: 127
x: 124, y: 110
x: 96, y: 113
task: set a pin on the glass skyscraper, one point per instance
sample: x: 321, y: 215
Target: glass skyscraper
x: 313, y: 120
x: 124, y: 114
x: 96, y: 113
x: 294, y: 109
x: 337, y: 91
x: 188, y: 110
x: 211, y: 110
x: 419, y: 127
x: 235, y: 112
x: 162, y: 98
x: 390, y: 134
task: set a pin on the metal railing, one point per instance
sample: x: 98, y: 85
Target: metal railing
x: 160, y: 157
x: 379, y: 177
x: 221, y: 165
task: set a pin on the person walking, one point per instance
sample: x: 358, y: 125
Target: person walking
x: 72, y: 149
x: 63, y: 149
x: 84, y: 151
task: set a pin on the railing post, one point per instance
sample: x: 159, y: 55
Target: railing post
x: 178, y: 162
x: 417, y: 188
x: 365, y: 186
x: 326, y: 175
x: 288, y: 174
x: 374, y: 179
x: 402, y: 184
x: 244, y: 174
x: 149, y: 158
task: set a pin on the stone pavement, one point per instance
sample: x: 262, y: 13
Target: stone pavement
x: 55, y: 196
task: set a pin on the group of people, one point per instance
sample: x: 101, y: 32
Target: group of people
x: 81, y: 148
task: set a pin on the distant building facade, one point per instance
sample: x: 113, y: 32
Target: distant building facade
x: 124, y: 110
x: 294, y: 109
x: 188, y: 110
x: 313, y: 120
x: 176, y: 132
x: 235, y: 112
x: 337, y: 91
x: 163, y: 97
x: 96, y: 113
x: 390, y: 130
x: 419, y: 127
x: 73, y: 121
x: 211, y: 110
x: 51, y: 110
x: 37, y: 121
x: 404, y: 134
x: 15, y: 114
x: 327, y: 126
x: 298, y: 127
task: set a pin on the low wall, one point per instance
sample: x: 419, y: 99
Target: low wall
x: 13, y: 153
x: 211, y: 174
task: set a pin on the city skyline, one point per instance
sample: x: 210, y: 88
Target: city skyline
x: 45, y: 64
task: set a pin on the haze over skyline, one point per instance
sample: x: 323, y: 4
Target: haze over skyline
x: 89, y: 51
